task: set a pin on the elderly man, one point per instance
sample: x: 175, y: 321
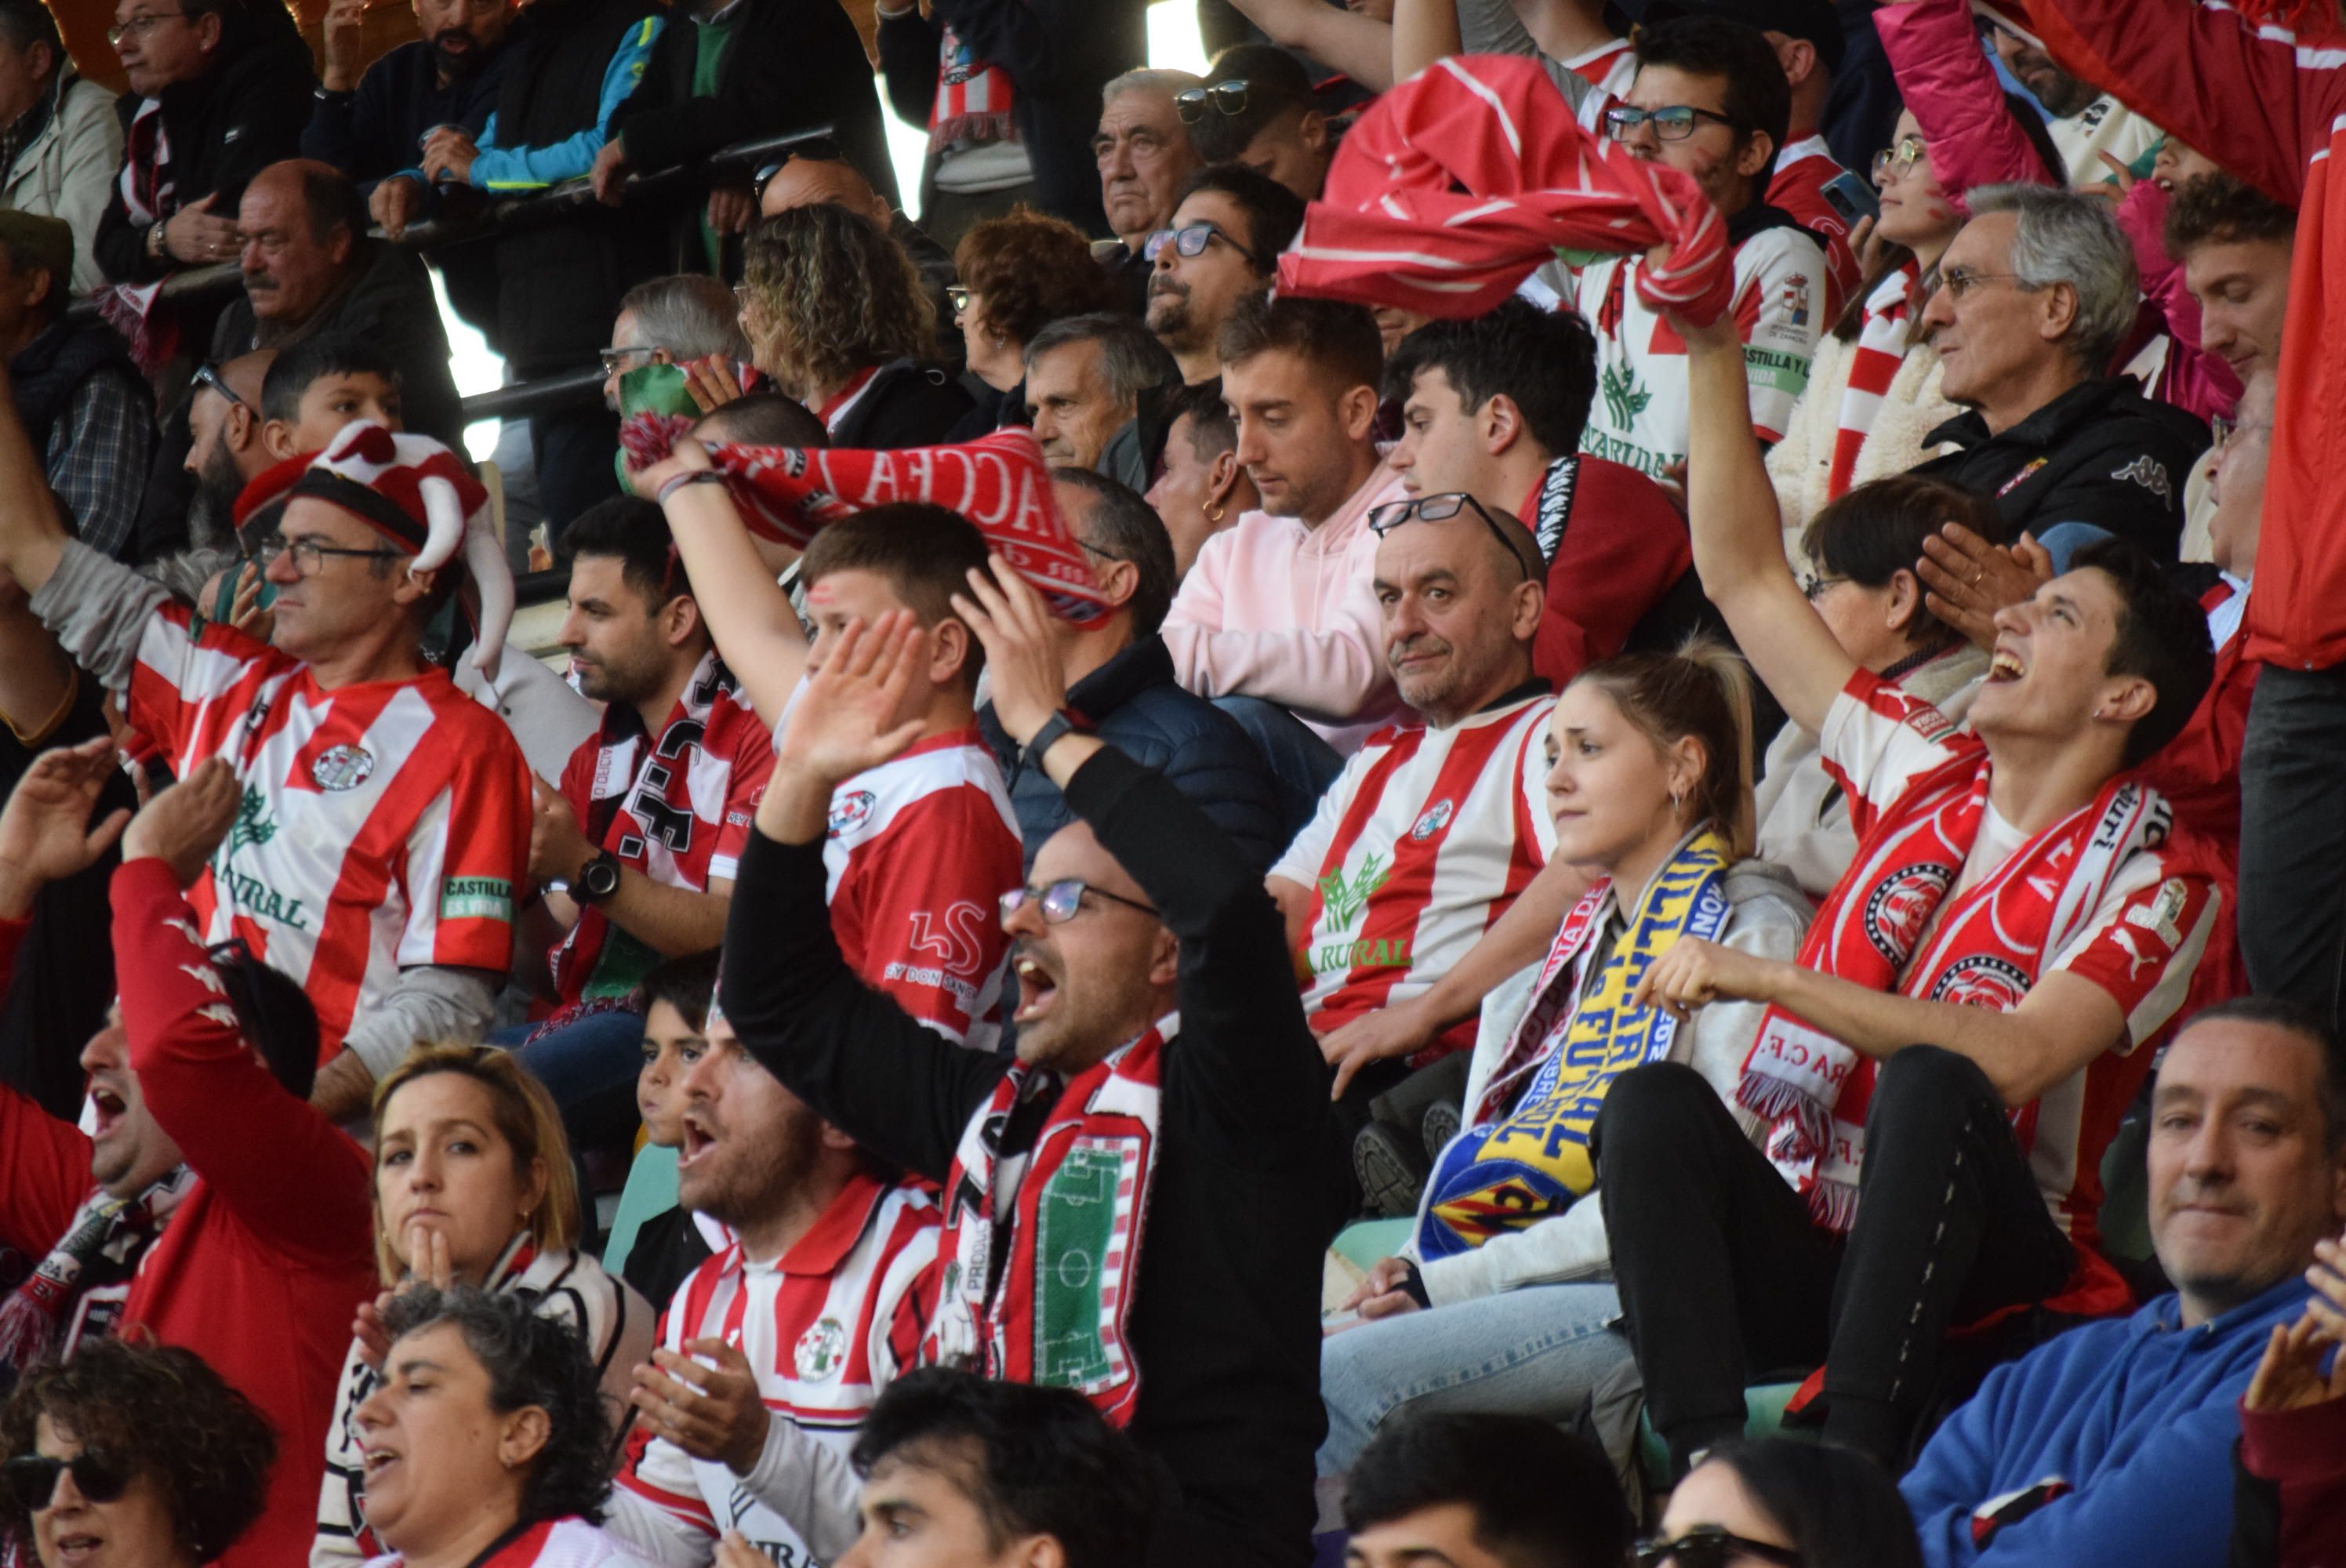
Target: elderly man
x: 668, y: 322
x: 2111, y: 1444
x: 310, y: 269
x: 1085, y: 379
x: 1145, y: 157
x: 68, y: 145
x: 1222, y: 247
x: 2035, y: 295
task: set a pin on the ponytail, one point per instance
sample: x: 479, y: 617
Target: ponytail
x: 1703, y: 691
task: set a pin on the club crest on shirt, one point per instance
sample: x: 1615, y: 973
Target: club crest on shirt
x: 342, y: 767
x: 821, y: 1350
x: 1437, y: 817
x: 849, y: 811
x: 1981, y: 980
x: 1900, y: 904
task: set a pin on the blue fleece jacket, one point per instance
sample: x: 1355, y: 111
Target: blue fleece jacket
x: 2136, y: 1419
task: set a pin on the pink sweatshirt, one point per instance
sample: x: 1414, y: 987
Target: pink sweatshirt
x: 1276, y: 610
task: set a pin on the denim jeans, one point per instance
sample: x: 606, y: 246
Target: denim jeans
x: 590, y: 1068
x: 1536, y: 1351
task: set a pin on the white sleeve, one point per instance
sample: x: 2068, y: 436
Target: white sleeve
x: 810, y: 1484
x: 1781, y: 323
x: 662, y: 1536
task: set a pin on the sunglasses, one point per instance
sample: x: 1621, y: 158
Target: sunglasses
x: 1442, y: 508
x: 206, y: 376
x: 1711, y: 1546
x: 32, y: 1477
x: 1061, y: 900
x: 1191, y: 241
x: 1223, y: 98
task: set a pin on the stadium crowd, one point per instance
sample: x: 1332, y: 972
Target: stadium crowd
x: 1552, y: 786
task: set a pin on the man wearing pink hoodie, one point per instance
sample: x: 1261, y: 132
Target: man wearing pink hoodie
x: 1279, y: 605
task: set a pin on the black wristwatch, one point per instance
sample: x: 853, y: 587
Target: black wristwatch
x: 1061, y: 722
x: 597, y: 880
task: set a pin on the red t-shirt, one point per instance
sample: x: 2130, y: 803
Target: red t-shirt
x: 1615, y: 544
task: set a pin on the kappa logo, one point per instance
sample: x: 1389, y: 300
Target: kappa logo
x: 1343, y: 900
x: 1625, y: 400
x: 1899, y: 906
x: 1981, y: 980
x: 821, y: 1350
x: 2150, y: 474
x: 342, y: 767
x: 1437, y: 817
x: 849, y: 811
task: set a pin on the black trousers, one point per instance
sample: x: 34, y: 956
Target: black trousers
x: 1724, y: 1275
x: 2293, y: 839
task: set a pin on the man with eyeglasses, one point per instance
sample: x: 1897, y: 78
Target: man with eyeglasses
x: 1136, y: 1205
x: 218, y: 91
x: 670, y: 320
x: 384, y: 821
x: 1712, y: 101
x: 1223, y: 247
x: 225, y: 450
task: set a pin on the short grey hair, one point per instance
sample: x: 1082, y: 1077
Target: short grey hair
x: 1130, y: 356
x: 1149, y: 79
x: 2067, y: 236
x: 691, y: 315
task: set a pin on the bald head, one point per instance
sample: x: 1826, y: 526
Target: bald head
x: 298, y: 229
x: 819, y: 181
x: 1459, y: 601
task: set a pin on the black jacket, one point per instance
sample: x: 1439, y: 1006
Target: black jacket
x: 223, y: 127
x: 790, y: 64
x: 559, y: 286
x: 388, y: 304
x: 2101, y: 452
x: 1058, y: 53
x: 907, y: 404
x: 1225, y: 1319
x: 1133, y: 704
x: 379, y: 129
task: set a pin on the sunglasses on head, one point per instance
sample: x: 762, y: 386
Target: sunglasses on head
x: 1442, y: 508
x: 1223, y: 97
x: 206, y: 376
x: 1712, y: 1546
x: 32, y: 1477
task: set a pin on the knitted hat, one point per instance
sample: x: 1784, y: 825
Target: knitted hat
x: 413, y: 491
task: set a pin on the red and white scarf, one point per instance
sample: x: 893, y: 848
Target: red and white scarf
x: 147, y: 194
x: 1882, y: 335
x: 999, y: 483
x: 77, y: 1292
x: 1987, y: 952
x: 1045, y: 1207
x: 1454, y: 186
x: 974, y: 100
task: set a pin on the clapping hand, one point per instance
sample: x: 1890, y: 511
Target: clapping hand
x: 1968, y: 582
x: 184, y: 824
x: 1024, y: 662
x: 712, y: 1412
x: 2289, y: 1377
x: 44, y: 829
x: 846, y: 717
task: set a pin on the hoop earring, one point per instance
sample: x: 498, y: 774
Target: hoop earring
x: 1214, y: 513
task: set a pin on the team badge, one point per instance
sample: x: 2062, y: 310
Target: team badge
x: 1437, y: 817
x: 1900, y: 904
x: 822, y: 1349
x: 1981, y: 980
x: 849, y: 812
x: 342, y: 767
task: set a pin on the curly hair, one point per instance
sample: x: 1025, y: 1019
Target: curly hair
x: 829, y: 291
x: 1030, y: 269
x: 2219, y: 209
x: 530, y: 1360
x: 166, y: 1413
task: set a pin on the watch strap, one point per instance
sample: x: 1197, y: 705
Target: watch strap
x: 1061, y: 722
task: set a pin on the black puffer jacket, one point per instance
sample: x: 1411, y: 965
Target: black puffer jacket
x: 1135, y: 705
x: 908, y: 403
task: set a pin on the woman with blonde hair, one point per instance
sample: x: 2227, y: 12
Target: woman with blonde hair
x: 1649, y: 783
x: 472, y: 1188
x: 836, y: 312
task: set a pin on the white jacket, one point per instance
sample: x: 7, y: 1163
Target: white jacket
x: 1768, y: 920
x: 1801, y: 462
x: 67, y: 171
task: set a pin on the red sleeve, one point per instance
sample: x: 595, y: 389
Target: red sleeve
x: 2303, y: 1452
x: 44, y: 1162
x: 1945, y: 76
x: 753, y: 765
x: 925, y: 905
x: 1625, y: 545
x: 2198, y: 772
x: 279, y: 1165
x: 483, y: 853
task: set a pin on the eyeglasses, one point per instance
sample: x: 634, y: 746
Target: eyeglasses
x: 1813, y: 586
x: 958, y: 298
x: 1061, y: 900
x: 32, y: 1477
x: 615, y: 358
x: 1901, y: 160
x: 206, y: 376
x: 1711, y: 1546
x: 1671, y: 122
x: 140, y: 27
x: 308, y: 553
x: 1223, y: 97
x: 1191, y: 241
x: 1442, y: 508
x: 1105, y: 554
x: 1958, y: 281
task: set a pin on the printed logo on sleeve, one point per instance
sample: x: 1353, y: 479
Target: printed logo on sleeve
x: 477, y: 898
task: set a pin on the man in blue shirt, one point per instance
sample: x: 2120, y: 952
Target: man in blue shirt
x: 2112, y: 1445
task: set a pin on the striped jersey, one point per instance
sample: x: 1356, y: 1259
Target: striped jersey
x: 1804, y: 172
x: 567, y: 1543
x: 676, y: 807
x: 1422, y: 841
x: 1639, y: 415
x: 917, y: 855
x: 384, y: 825
x: 825, y: 1328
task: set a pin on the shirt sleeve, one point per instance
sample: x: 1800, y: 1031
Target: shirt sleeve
x: 1779, y: 312
x: 1877, y: 739
x: 924, y: 904
x: 98, y: 458
x: 2144, y: 942
x: 753, y: 765
x: 503, y: 169
x: 465, y: 856
x: 1309, y: 851
x: 1531, y: 809
x: 655, y: 1500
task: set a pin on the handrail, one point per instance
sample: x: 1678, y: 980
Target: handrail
x: 522, y: 399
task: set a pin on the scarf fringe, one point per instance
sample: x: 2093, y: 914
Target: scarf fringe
x: 982, y: 129
x: 1833, y: 1204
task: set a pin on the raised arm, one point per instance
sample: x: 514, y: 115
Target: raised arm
x: 1945, y: 78
x: 1360, y: 47
x: 748, y: 614
x: 1423, y: 31
x: 1738, y: 548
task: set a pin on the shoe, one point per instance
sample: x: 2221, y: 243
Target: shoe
x: 1391, y: 1173
x: 1440, y: 1125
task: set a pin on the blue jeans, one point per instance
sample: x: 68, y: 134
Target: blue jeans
x: 590, y: 1068
x: 1536, y: 1351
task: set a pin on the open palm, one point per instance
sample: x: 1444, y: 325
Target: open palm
x: 845, y: 720
x: 44, y: 829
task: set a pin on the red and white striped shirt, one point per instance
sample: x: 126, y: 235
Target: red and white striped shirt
x: 1422, y: 841
x: 384, y: 825
x: 1609, y: 68
x: 569, y: 1542
x: 825, y: 1328
x: 919, y: 852
x: 1803, y: 171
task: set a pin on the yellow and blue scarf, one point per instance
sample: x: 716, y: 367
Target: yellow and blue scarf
x: 1513, y: 1168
